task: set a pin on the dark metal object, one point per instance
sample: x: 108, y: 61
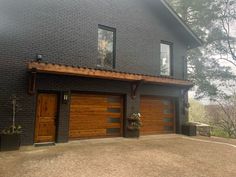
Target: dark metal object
x: 189, y: 129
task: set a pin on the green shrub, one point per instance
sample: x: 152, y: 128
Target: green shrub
x: 219, y: 133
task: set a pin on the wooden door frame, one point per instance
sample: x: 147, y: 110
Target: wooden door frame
x: 123, y: 95
x: 36, y: 106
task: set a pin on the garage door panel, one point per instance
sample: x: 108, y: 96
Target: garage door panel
x: 82, y: 126
x: 115, y: 106
x: 89, y: 101
x: 93, y: 115
x: 156, y: 123
x: 85, y: 114
x: 165, y: 117
x: 74, y: 134
x: 81, y: 112
x: 114, y: 115
x: 158, y: 115
x: 158, y: 127
x: 155, y: 127
x: 156, y: 132
x: 89, y: 108
x: 84, y: 119
x: 98, y: 102
x: 94, y: 133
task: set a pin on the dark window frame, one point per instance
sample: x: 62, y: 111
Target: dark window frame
x: 103, y: 27
x: 171, y: 58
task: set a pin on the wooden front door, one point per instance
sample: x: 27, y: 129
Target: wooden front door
x: 158, y: 115
x: 95, y: 115
x: 46, y: 116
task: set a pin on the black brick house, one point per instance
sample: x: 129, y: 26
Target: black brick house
x: 80, y: 68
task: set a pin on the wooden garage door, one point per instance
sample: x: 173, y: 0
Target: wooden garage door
x: 93, y: 115
x: 158, y: 115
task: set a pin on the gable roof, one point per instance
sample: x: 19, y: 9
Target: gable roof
x: 175, y: 22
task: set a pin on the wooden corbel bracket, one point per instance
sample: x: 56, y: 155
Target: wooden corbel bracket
x: 134, y: 88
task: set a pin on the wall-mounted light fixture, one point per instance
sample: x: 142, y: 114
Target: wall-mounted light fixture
x: 39, y: 57
x: 65, y: 97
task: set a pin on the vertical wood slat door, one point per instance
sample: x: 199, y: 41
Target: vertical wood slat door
x: 46, y: 115
x: 94, y: 115
x: 158, y: 115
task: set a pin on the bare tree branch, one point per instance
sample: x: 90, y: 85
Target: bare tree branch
x: 225, y: 59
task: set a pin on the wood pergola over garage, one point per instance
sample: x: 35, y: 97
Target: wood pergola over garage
x: 101, y: 115
x: 40, y: 67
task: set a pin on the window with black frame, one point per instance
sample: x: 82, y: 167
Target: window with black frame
x: 166, y: 59
x: 106, y: 47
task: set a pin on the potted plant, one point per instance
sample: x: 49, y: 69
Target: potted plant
x: 135, y: 123
x: 10, y: 137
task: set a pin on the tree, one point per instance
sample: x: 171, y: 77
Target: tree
x: 211, y: 20
x: 197, y: 112
x: 223, y: 116
x: 226, y: 43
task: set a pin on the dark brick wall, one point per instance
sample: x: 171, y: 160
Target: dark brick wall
x: 65, y: 32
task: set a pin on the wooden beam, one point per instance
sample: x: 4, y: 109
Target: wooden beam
x: 104, y: 74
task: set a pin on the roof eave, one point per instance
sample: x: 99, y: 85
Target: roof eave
x: 197, y: 41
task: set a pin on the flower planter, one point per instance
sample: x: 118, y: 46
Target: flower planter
x: 133, y: 133
x: 9, y: 142
x: 134, y: 124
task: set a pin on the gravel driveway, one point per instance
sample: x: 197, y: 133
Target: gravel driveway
x: 150, y: 156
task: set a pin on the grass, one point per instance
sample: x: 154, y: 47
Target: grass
x: 219, y: 133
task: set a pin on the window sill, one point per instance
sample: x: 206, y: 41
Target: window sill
x: 104, y: 67
x: 171, y: 77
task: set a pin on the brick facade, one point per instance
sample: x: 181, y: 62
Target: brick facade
x: 65, y: 32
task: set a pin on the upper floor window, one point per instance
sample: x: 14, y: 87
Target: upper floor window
x: 106, y: 46
x: 166, y: 59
